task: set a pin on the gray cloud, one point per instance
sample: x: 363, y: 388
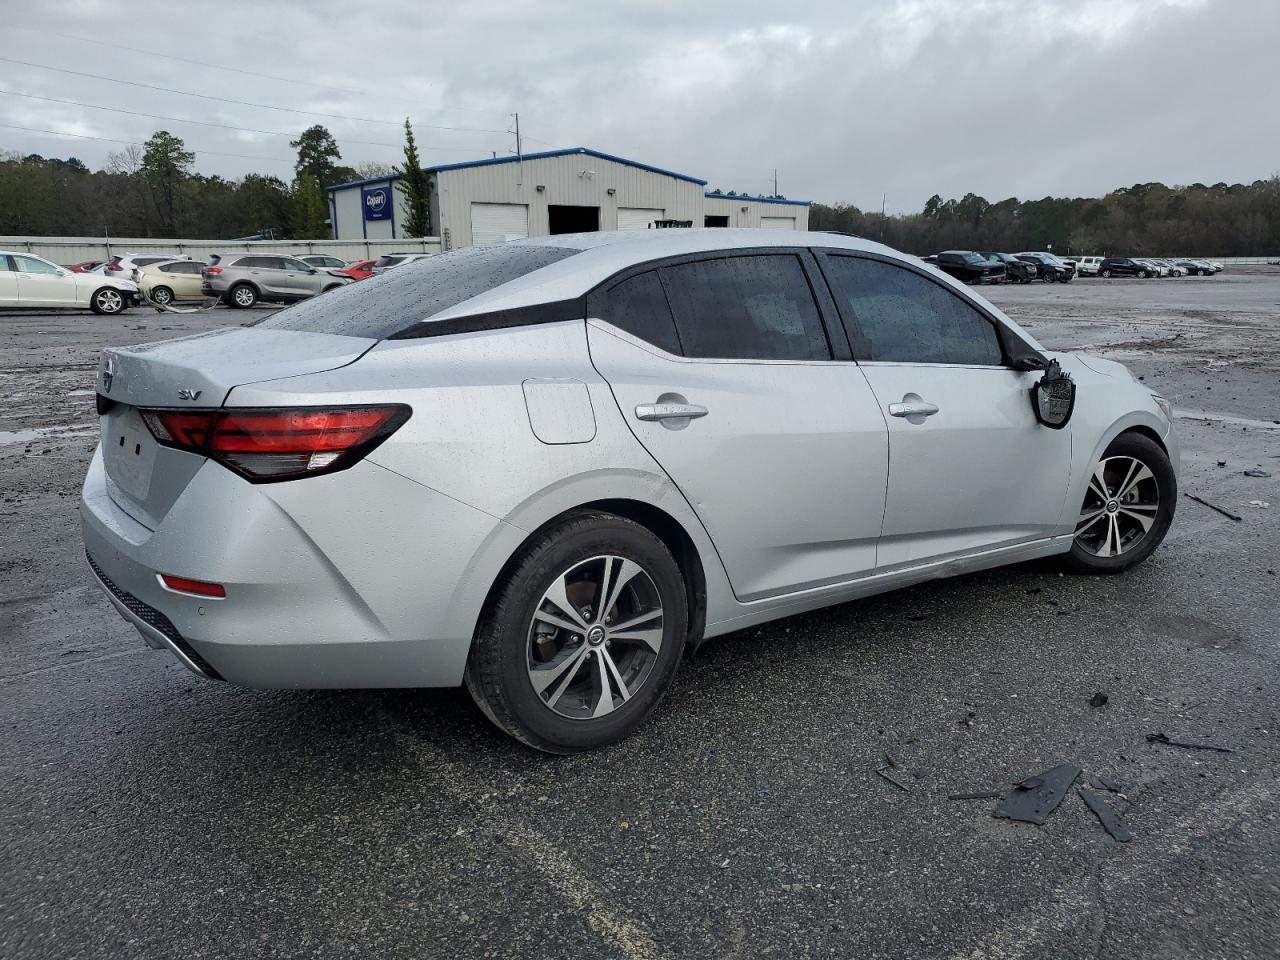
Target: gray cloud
x: 1001, y: 97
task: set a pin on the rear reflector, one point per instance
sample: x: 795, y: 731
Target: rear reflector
x: 265, y: 445
x: 200, y: 588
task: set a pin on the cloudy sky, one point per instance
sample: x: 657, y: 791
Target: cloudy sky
x: 848, y: 99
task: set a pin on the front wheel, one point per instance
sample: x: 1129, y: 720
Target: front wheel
x: 1127, y: 508
x: 583, y: 637
x: 242, y: 296
x: 107, y: 300
x: 162, y: 295
x: 1106, y: 274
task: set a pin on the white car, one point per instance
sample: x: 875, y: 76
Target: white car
x: 1157, y: 269
x: 32, y: 282
x: 1087, y: 266
x: 129, y: 266
x: 389, y: 260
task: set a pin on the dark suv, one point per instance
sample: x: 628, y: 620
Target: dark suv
x: 969, y: 267
x: 1016, y: 271
x: 1123, y: 267
x: 1050, y: 268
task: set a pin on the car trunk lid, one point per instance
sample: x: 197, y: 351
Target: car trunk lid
x: 143, y: 478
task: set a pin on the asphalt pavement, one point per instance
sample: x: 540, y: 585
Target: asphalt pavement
x: 790, y: 799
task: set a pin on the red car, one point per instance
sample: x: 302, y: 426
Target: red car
x: 356, y: 271
x: 84, y: 266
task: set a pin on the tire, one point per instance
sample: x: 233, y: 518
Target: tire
x: 1137, y: 478
x: 242, y: 296
x: 567, y: 713
x: 1106, y: 274
x: 333, y: 286
x: 162, y: 295
x: 1144, y: 274
x: 107, y: 301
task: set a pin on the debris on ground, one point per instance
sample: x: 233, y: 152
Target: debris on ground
x: 1034, y: 798
x: 1102, y: 783
x: 1259, y: 474
x: 1260, y: 504
x: 978, y: 795
x: 884, y: 774
x: 1222, y: 463
x: 1226, y: 513
x: 1168, y: 741
x: 1109, y: 819
x: 1099, y: 699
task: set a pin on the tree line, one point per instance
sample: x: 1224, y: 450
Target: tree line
x: 153, y: 190
x: 1150, y: 219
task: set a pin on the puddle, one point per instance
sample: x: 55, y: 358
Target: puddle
x: 68, y: 431
x: 1210, y: 417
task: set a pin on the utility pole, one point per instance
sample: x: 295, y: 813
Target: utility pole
x: 775, y: 181
x: 883, y: 197
x: 519, y: 146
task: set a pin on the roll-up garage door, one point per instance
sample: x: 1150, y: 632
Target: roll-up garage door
x: 777, y: 223
x: 638, y: 218
x: 496, y: 222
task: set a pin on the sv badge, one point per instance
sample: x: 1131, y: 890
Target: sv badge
x: 185, y: 394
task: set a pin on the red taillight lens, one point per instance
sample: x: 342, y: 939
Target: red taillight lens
x: 212, y: 271
x: 278, y: 444
x: 200, y: 588
x: 113, y: 266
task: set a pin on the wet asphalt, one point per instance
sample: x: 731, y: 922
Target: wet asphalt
x: 147, y: 813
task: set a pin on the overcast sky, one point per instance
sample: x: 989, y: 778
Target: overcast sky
x: 847, y: 99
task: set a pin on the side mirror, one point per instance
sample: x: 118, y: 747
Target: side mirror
x: 1054, y: 397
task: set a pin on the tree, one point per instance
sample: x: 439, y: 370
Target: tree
x: 308, y: 210
x: 369, y: 169
x: 317, y: 151
x: 416, y: 187
x: 166, y: 165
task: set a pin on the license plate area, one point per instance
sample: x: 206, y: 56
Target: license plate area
x: 129, y: 451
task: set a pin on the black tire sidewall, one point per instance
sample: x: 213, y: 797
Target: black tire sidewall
x: 1149, y: 452
x: 97, y: 307
x: 499, y: 662
x: 167, y: 295
x: 231, y: 296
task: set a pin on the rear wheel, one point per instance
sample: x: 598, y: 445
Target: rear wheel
x: 1127, y: 508
x: 107, y: 300
x: 1106, y: 274
x: 162, y: 295
x: 583, y: 637
x: 242, y: 296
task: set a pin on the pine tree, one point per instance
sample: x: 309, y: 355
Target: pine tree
x: 416, y: 187
x: 308, y: 221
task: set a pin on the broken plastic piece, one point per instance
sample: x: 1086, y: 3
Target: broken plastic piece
x: 1109, y: 819
x: 1255, y: 472
x: 980, y: 795
x: 1189, y: 744
x: 1226, y: 513
x: 1036, y: 797
x: 882, y: 771
x: 1099, y: 699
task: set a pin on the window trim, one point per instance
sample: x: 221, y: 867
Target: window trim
x: 1013, y: 348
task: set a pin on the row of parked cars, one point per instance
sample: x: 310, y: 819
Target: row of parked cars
x: 987, y: 266
x: 239, y: 279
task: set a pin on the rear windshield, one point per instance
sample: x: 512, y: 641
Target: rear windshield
x: 386, y: 260
x: 213, y: 260
x: 394, y: 301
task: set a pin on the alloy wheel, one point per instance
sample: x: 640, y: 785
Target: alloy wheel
x: 110, y: 301
x: 594, y: 637
x: 245, y: 297
x: 161, y: 295
x: 1119, y: 508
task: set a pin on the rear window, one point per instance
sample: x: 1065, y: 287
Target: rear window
x: 391, y: 302
x: 386, y: 260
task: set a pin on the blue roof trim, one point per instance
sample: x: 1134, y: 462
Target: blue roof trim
x: 743, y: 196
x: 491, y: 161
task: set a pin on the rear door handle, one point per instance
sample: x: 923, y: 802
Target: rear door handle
x: 912, y: 406
x: 669, y: 411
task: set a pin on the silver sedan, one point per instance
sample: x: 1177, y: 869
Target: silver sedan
x: 547, y: 468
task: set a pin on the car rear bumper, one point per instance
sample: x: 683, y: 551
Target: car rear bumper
x: 348, y: 580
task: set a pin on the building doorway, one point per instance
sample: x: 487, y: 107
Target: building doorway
x: 566, y: 219
x: 711, y: 220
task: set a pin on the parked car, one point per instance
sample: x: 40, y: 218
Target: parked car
x: 323, y: 262
x: 1197, y: 268
x: 1171, y: 269
x: 1156, y: 269
x: 970, y: 267
x: 243, y: 279
x: 1124, y: 267
x: 389, y: 260
x: 171, y: 280
x: 1050, y: 268
x: 447, y: 475
x: 358, y: 269
x: 84, y: 266
x: 1016, y: 271
x: 128, y: 266
x: 33, y: 282
x: 1087, y: 266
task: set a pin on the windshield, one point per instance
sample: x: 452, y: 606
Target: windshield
x: 394, y: 301
x: 386, y: 260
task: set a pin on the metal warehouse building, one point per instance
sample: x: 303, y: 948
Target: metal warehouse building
x: 559, y: 191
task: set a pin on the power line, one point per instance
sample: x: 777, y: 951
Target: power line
x: 248, y: 73
x: 135, y: 143
x: 224, y: 126
x: 242, y: 103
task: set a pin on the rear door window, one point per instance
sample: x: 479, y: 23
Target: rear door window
x: 896, y: 315
x: 746, y: 308
x: 639, y: 306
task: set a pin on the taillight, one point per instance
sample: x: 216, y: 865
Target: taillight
x: 199, y: 588
x: 265, y: 445
x: 212, y: 270
x: 113, y: 266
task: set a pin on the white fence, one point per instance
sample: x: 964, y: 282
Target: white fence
x: 69, y: 250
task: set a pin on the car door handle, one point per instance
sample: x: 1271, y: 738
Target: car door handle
x: 669, y: 411
x: 913, y: 408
